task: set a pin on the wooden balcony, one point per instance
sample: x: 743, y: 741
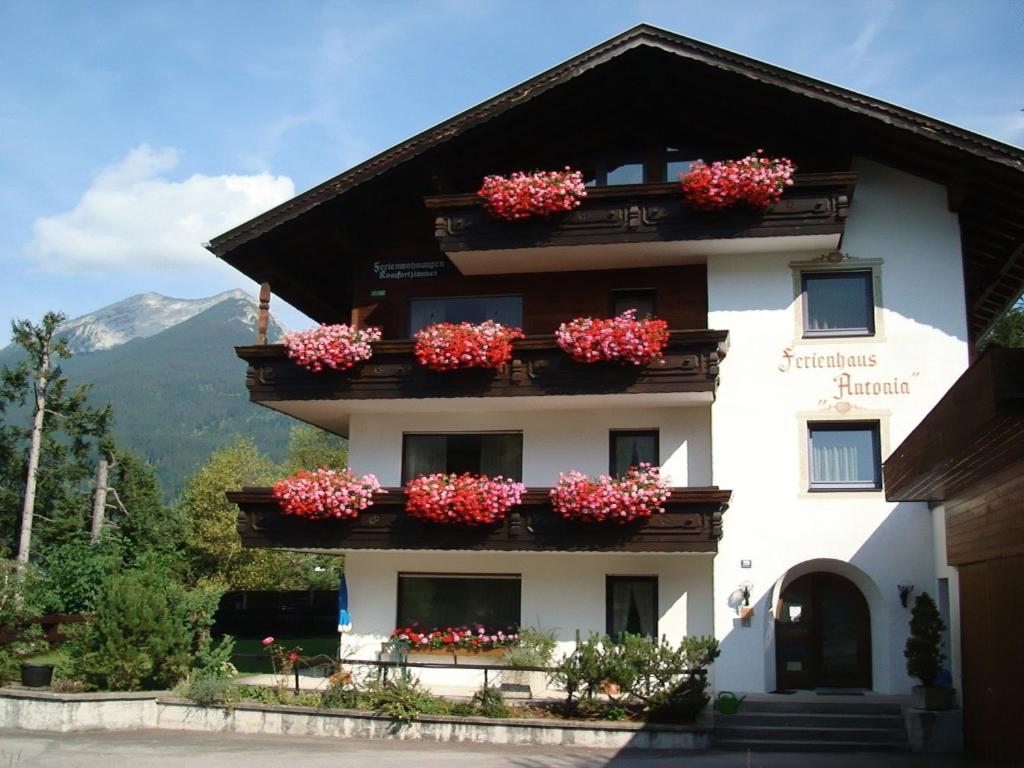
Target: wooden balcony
x: 639, y: 225
x: 538, y: 367
x: 692, y: 522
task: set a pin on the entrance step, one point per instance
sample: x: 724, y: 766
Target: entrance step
x: 808, y: 726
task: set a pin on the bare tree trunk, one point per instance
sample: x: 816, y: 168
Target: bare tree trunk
x: 99, y: 501
x: 28, y: 507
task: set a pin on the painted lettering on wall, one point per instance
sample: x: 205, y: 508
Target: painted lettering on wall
x: 854, y: 377
x: 405, y: 270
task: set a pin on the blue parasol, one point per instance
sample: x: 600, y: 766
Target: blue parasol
x: 344, y: 618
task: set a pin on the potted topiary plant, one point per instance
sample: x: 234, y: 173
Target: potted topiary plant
x: 924, y: 655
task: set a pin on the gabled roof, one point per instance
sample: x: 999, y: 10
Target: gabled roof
x: 975, y: 155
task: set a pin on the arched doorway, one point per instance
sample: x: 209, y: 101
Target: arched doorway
x: 822, y: 634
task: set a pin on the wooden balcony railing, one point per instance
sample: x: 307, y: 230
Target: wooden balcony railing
x: 538, y: 367
x: 692, y: 522
x: 816, y: 204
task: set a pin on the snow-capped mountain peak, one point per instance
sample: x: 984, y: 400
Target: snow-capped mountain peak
x: 141, y: 316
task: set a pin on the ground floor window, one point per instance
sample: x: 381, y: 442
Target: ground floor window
x: 631, y: 604
x: 451, y: 600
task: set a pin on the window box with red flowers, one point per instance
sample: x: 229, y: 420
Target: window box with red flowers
x: 755, y: 180
x: 474, y: 639
x: 623, y: 339
x: 525, y: 195
x: 465, y: 499
x: 331, y: 346
x: 636, y: 495
x: 324, y: 494
x: 455, y: 346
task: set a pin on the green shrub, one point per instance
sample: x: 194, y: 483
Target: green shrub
x: 404, y: 699
x: 923, y: 650
x: 210, y: 690
x: 341, y: 695
x: 137, y: 638
x: 22, y: 597
x: 536, y: 648
x: 489, y: 702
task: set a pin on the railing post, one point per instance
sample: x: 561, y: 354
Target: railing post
x: 263, y: 318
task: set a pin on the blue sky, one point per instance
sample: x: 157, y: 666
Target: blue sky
x: 132, y: 132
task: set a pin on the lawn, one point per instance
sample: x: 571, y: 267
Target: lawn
x: 251, y: 658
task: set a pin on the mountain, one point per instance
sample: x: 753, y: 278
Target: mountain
x: 140, y: 316
x: 179, y: 391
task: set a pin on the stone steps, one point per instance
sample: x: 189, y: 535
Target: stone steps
x: 811, y: 726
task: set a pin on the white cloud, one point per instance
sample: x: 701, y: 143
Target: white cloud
x: 133, y: 217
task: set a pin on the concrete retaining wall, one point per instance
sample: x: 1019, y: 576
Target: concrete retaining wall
x: 77, y: 712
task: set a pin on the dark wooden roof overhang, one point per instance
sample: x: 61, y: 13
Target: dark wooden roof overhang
x: 985, y: 178
x: 975, y: 430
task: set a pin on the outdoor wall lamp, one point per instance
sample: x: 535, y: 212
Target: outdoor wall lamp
x: 906, y: 589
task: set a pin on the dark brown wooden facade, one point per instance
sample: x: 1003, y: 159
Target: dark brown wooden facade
x: 817, y: 204
x: 692, y: 522
x: 548, y: 299
x: 538, y: 367
x: 969, y: 453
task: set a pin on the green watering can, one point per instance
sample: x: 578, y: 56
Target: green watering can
x: 727, y: 703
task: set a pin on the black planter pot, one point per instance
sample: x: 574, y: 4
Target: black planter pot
x: 36, y: 675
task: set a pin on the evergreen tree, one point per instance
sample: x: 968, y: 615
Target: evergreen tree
x: 1008, y: 330
x: 136, y: 509
x: 923, y: 650
x: 58, y: 444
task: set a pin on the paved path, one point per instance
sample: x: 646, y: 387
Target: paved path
x: 175, y: 749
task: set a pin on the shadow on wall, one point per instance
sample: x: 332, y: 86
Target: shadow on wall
x: 894, y: 553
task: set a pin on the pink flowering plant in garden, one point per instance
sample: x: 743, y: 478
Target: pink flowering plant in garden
x: 476, y: 637
x: 331, y: 346
x: 623, y: 339
x: 451, y: 346
x: 755, y: 180
x: 282, y: 659
x: 465, y: 499
x: 540, y: 193
x: 639, y: 493
x: 325, y: 493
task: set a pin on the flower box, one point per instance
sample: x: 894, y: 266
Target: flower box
x: 524, y: 195
x: 325, y: 493
x: 755, y: 180
x: 465, y: 499
x: 455, y: 346
x: 623, y: 339
x: 638, y: 494
x: 332, y: 346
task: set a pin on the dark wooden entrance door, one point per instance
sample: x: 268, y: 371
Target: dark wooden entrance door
x: 823, y: 634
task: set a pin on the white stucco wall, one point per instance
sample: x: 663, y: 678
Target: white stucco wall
x: 560, y: 591
x: 553, y: 441
x: 758, y: 420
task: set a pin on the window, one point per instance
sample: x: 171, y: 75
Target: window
x: 844, y: 456
x: 630, y: 448
x: 507, y: 310
x: 640, y: 299
x: 677, y: 162
x: 451, y: 600
x: 631, y: 604
x: 838, y: 303
x: 625, y: 173
x: 487, y: 453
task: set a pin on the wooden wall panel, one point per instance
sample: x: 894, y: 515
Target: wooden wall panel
x: 549, y: 298
x: 987, y: 522
x: 992, y: 645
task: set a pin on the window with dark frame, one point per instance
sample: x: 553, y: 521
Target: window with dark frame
x: 844, y: 456
x: 485, y: 453
x: 631, y: 448
x: 640, y: 299
x: 451, y: 600
x: 838, y: 303
x: 631, y: 605
x: 506, y: 309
